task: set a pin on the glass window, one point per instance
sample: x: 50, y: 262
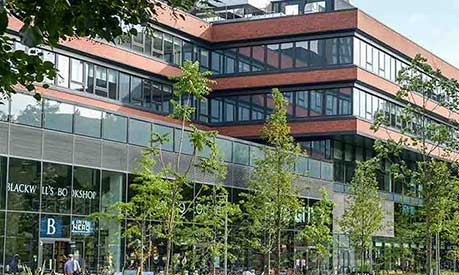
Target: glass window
x: 114, y: 127
x: 363, y: 102
x: 244, y: 108
x: 217, y: 62
x: 316, y: 103
x: 331, y: 103
x: 331, y: 51
x: 63, y: 64
x: 345, y: 101
x: 4, y: 109
x: 356, y: 102
x: 136, y: 91
x: 187, y: 51
x: 225, y: 147
x: 87, y: 121
x: 241, y: 153
x: 314, y: 168
x: 229, y: 109
x: 138, y: 41
x: 125, y: 87
x: 76, y: 81
x: 287, y: 55
x: 25, y: 110
x: 256, y: 154
x: 302, y: 104
x: 89, y: 78
x: 345, y: 50
x: 164, y: 130
x: 258, y: 58
x: 301, y: 54
x: 112, y: 192
x: 216, y: 110
x: 3, y: 185
x: 229, y: 60
x: 50, y: 57
x: 158, y: 47
x: 272, y: 57
x: 166, y: 99
x: 168, y: 48
x: 101, y: 81
x: 85, y: 191
x: 58, y: 116
x: 21, y: 238
x: 369, y: 107
x: 204, y: 59
x: 139, y: 132
x: 24, y: 185
x: 112, y: 84
x: 177, y: 51
x: 258, y: 107
x: 56, y: 188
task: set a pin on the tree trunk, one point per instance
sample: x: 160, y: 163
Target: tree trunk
x: 437, y: 252
x: 269, y: 263
x: 168, y: 256
x: 362, y: 260
x: 278, y: 249
x: 429, y: 247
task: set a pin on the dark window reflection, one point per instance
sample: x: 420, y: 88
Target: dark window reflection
x: 24, y: 185
x: 56, y: 188
x: 85, y: 192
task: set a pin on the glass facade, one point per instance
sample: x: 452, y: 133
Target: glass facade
x: 49, y: 216
x: 302, y: 104
x: 265, y: 57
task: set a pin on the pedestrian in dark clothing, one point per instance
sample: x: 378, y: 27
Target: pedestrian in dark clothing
x: 14, y: 268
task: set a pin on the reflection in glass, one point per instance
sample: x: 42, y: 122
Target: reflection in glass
x: 112, y: 191
x: 87, y: 121
x: 58, y: 115
x: 25, y: 110
x: 56, y: 188
x: 21, y: 238
x: 114, y: 127
x: 85, y: 191
x: 139, y: 132
x: 4, y: 109
x: 24, y: 185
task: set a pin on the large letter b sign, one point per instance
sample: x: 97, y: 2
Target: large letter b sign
x: 51, y: 227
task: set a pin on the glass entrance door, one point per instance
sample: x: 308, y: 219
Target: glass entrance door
x: 52, y: 255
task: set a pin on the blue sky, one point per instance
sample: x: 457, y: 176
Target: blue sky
x: 434, y: 24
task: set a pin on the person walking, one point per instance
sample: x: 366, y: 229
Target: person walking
x: 69, y: 266
x: 14, y: 267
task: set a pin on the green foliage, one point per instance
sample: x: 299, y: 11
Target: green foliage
x: 363, y: 214
x: 273, y: 200
x: 430, y: 179
x: 163, y: 191
x: 318, y: 232
x: 50, y: 22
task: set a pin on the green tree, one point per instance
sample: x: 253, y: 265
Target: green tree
x: 273, y: 199
x: 425, y: 91
x: 318, y: 232
x: 49, y: 22
x: 363, y: 214
x: 211, y: 226
x: 161, y: 189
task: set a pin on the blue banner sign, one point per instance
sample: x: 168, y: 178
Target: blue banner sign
x: 51, y: 227
x: 82, y: 226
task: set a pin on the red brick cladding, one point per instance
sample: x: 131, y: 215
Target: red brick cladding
x: 281, y: 26
x: 280, y: 79
x: 297, y: 128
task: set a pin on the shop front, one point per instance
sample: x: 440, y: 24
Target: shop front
x: 45, y: 216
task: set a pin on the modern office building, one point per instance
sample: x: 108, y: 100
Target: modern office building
x: 73, y: 153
